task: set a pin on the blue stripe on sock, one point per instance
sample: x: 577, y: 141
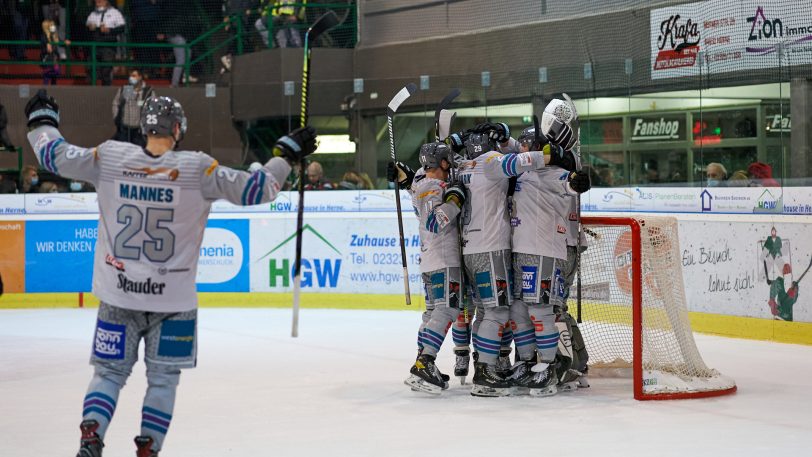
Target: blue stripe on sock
x: 487, y: 351
x: 155, y: 412
x: 427, y: 337
x: 485, y: 340
x: 155, y: 427
x: 523, y: 339
x: 435, y: 334
x: 102, y: 396
x: 97, y: 410
x: 428, y: 342
x: 526, y: 332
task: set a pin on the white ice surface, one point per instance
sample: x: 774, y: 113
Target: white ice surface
x: 337, y: 391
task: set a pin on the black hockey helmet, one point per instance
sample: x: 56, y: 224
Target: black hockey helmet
x: 532, y: 137
x: 159, y: 115
x: 433, y: 154
x: 478, y: 144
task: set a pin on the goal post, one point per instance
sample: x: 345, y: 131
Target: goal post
x: 635, y: 314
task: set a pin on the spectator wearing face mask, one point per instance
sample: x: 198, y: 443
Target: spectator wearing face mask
x: 716, y: 173
x: 105, y: 25
x: 29, y: 179
x: 127, y: 109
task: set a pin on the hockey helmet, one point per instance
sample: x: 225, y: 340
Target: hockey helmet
x: 160, y: 115
x: 433, y: 154
x: 532, y: 139
x: 478, y: 144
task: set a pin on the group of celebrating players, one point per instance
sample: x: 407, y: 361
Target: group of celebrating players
x: 498, y: 223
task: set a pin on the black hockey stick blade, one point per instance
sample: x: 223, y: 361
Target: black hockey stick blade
x: 536, y: 130
x: 401, y: 97
x: 444, y: 104
x: 324, y: 23
x: 444, y: 126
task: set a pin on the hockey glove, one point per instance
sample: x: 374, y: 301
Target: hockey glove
x: 500, y: 132
x: 559, y: 157
x: 456, y: 141
x: 579, y: 181
x: 485, y: 127
x: 296, y: 145
x: 404, y: 174
x: 455, y: 194
x: 42, y: 109
x: 561, y: 134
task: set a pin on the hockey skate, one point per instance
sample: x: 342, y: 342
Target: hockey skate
x: 544, y: 381
x: 143, y: 446
x: 487, y: 383
x: 91, y: 444
x: 425, y: 377
x: 463, y: 359
x: 521, y: 376
x: 503, y: 362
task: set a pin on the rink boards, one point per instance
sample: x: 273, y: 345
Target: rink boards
x: 351, y: 259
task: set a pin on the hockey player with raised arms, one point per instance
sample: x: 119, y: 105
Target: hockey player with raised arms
x: 438, y: 205
x: 542, y: 202
x: 153, y: 207
x: 486, y: 242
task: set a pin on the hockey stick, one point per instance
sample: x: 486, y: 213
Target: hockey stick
x: 578, y: 284
x: 394, y: 104
x: 805, y: 271
x: 767, y: 274
x: 444, y: 104
x: 324, y: 23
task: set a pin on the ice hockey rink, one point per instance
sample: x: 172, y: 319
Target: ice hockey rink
x: 337, y: 391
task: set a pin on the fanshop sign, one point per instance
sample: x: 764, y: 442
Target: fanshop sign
x: 658, y: 129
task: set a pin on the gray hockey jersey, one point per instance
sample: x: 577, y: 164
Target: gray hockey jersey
x: 439, y: 238
x: 543, y: 204
x: 486, y: 222
x: 152, y: 213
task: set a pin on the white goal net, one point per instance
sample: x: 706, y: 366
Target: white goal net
x: 634, y: 312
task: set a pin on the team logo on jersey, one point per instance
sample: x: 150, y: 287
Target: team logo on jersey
x: 110, y: 340
x: 160, y: 174
x: 147, y: 287
x: 560, y: 228
x: 483, y: 284
x: 573, y: 216
x: 114, y: 262
x: 515, y: 222
x: 177, y: 338
x: 529, y: 275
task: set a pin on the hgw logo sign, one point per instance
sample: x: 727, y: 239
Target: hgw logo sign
x: 316, y: 272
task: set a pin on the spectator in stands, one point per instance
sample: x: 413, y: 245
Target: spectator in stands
x: 285, y: 18
x: 54, y: 10
x: 174, y: 28
x: 80, y: 186
x: 7, y: 185
x: 739, y: 178
x: 105, y: 25
x: 19, y: 27
x: 49, y: 55
x: 146, y: 19
x: 761, y: 175
x: 651, y: 168
x: 716, y: 173
x: 127, y: 109
x: 5, y: 141
x: 355, y: 181
x: 48, y: 187
x: 315, y: 178
x: 29, y: 179
x: 233, y: 11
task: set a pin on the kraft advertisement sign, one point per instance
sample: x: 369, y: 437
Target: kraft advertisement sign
x: 722, y: 36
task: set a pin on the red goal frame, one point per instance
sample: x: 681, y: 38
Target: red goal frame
x: 637, y: 313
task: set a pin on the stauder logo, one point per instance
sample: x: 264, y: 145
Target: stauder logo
x: 319, y: 272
